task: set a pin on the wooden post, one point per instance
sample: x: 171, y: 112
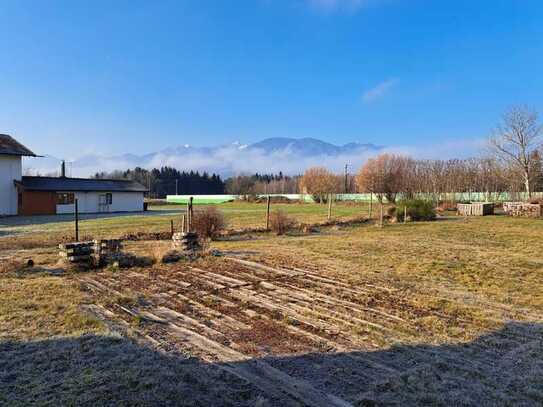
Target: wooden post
x: 268, y: 203
x: 188, y: 217
x: 183, y: 223
x: 171, y: 227
x: 76, y: 221
x: 329, y: 206
x: 381, y: 215
x: 190, y: 213
x: 371, y: 204
x: 405, y: 214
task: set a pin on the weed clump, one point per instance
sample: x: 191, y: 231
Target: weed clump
x: 208, y: 223
x: 280, y: 223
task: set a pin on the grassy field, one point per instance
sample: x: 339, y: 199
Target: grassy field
x: 435, y: 313
x: 39, y: 231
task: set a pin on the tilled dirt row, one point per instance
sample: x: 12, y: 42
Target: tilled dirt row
x: 299, y: 336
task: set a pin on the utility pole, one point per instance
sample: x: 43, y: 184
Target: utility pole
x: 346, y: 177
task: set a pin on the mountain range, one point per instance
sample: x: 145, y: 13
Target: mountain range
x: 289, y: 155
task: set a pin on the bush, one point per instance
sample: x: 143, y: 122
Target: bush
x: 280, y: 223
x: 417, y: 209
x: 208, y: 223
x: 391, y: 211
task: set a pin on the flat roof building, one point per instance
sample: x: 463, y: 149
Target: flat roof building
x: 25, y: 195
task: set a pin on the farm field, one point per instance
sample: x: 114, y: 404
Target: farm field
x: 444, y: 312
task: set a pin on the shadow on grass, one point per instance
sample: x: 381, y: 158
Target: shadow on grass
x: 501, y: 368
x: 13, y: 221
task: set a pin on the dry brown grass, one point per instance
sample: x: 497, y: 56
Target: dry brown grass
x: 456, y: 284
x: 158, y: 250
x: 34, y: 307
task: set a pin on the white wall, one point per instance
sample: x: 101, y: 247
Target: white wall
x: 121, y: 202
x: 10, y: 169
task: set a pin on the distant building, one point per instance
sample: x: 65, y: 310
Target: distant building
x: 11, y: 169
x: 24, y: 195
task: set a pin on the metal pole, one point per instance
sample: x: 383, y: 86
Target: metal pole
x: 76, y: 221
x: 176, y: 187
x: 268, y: 202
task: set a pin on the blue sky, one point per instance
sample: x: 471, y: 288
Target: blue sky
x: 139, y: 76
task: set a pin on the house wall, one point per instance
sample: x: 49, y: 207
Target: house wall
x: 10, y: 169
x: 37, y: 203
x: 88, y: 202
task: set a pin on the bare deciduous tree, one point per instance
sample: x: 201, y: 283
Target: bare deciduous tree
x: 319, y: 182
x: 383, y: 176
x: 516, y: 141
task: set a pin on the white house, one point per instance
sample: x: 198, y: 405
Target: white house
x: 11, y: 169
x: 24, y: 195
x: 57, y: 195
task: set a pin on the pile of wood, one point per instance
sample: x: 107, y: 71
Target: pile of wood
x: 107, y: 251
x: 77, y: 252
x: 475, y: 209
x: 97, y: 252
x: 185, y: 242
x: 523, y: 209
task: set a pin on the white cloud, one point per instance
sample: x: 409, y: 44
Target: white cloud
x: 229, y: 160
x: 379, y: 90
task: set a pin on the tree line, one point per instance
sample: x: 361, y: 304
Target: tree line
x: 512, y: 163
x: 170, y: 181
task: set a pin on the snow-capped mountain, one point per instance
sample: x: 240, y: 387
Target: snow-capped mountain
x: 289, y: 155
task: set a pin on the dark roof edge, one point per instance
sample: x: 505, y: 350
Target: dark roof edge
x: 22, y: 155
x: 82, y: 179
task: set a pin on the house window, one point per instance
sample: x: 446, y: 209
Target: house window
x: 65, y: 198
x: 105, y: 199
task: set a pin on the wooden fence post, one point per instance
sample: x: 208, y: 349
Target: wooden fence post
x: 183, y: 223
x: 371, y: 204
x: 190, y: 213
x: 188, y: 217
x: 405, y: 214
x: 381, y: 215
x: 329, y: 206
x: 76, y: 221
x: 268, y: 203
x: 171, y: 227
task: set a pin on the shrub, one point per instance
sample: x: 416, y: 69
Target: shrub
x: 208, y: 223
x: 280, y: 223
x: 391, y: 211
x: 417, y: 209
